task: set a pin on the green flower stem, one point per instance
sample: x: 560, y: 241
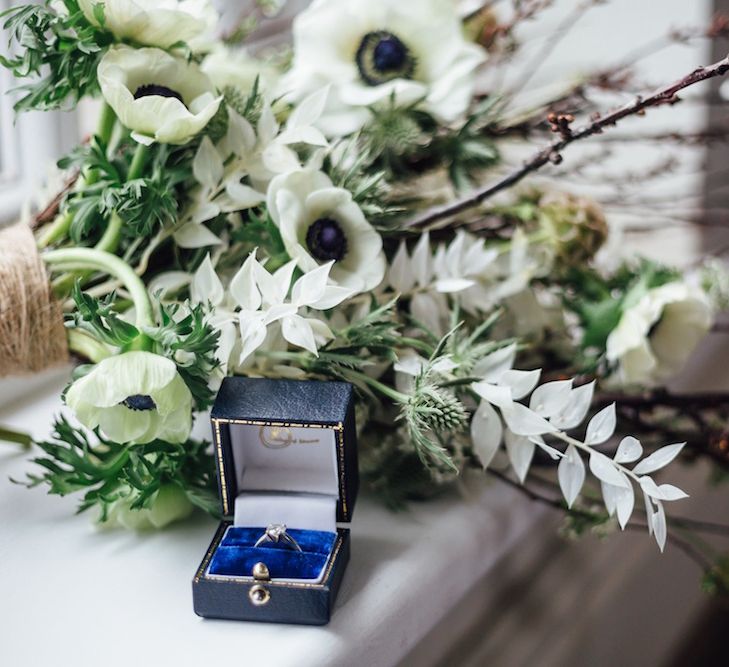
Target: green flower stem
x: 87, y: 347
x: 19, y: 437
x: 92, y: 259
x: 138, y: 161
x: 106, y: 122
x: 395, y: 395
x: 58, y: 229
x: 109, y: 242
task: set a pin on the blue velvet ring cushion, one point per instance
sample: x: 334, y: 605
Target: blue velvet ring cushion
x: 236, y: 555
x: 283, y: 474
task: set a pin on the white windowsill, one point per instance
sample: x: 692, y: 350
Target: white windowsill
x: 459, y: 580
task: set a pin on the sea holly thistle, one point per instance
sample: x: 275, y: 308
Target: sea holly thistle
x: 248, y: 106
x: 394, y: 136
x: 429, y: 413
x: 348, y: 164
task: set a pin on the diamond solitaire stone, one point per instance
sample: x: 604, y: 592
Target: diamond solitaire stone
x: 276, y: 531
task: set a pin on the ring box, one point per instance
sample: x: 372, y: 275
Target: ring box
x: 286, y: 453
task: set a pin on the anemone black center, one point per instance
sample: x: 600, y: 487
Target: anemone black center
x: 140, y: 402
x: 326, y: 240
x: 149, y: 89
x: 382, y: 56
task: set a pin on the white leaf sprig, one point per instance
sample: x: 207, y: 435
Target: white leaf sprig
x: 257, y: 300
x: 554, y: 408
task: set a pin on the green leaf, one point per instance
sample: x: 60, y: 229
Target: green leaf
x: 185, y: 337
x: 105, y: 472
x: 98, y: 318
x: 599, y: 320
x: 57, y: 50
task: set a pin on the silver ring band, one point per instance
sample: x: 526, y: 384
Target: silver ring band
x: 276, y: 532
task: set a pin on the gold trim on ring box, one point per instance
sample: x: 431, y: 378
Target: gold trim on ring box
x: 247, y: 580
x: 338, y: 427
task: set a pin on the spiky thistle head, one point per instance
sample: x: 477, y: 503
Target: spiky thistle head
x: 430, y: 414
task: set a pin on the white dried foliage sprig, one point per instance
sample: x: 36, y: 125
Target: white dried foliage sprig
x: 554, y: 409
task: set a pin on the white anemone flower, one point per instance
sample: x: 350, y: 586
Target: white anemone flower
x: 656, y: 336
x: 320, y: 224
x: 134, y: 397
x: 374, y: 51
x: 157, y: 96
x: 159, y: 23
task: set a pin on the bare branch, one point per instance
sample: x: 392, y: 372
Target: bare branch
x: 553, y: 152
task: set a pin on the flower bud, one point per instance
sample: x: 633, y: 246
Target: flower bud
x: 575, y: 226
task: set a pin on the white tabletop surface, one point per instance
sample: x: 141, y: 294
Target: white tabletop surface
x: 73, y: 595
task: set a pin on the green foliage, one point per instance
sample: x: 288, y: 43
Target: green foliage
x: 578, y: 524
x: 377, y: 333
x: 107, y: 472
x: 600, y: 301
x: 185, y: 337
x: 59, y: 52
x: 260, y: 231
x: 248, y: 105
x: 468, y: 149
x: 364, y: 342
x: 98, y: 318
x: 466, y: 348
x: 394, y: 136
x: 394, y: 471
x: 144, y: 204
x: 716, y: 580
x: 351, y: 170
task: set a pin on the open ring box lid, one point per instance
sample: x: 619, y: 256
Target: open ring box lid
x: 286, y: 453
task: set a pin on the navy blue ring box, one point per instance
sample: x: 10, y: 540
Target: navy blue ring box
x: 286, y: 452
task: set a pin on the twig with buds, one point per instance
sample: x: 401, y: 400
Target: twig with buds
x: 553, y: 152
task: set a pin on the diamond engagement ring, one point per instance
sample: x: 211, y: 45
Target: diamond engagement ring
x: 276, y: 532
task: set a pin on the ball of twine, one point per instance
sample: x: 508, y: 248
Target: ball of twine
x: 32, y: 335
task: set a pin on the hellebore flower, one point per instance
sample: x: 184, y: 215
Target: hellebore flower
x: 656, y: 336
x: 169, y: 504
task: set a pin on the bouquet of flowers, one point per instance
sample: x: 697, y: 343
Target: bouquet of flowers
x: 318, y: 210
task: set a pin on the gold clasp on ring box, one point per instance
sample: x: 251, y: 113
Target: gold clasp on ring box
x: 259, y: 595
